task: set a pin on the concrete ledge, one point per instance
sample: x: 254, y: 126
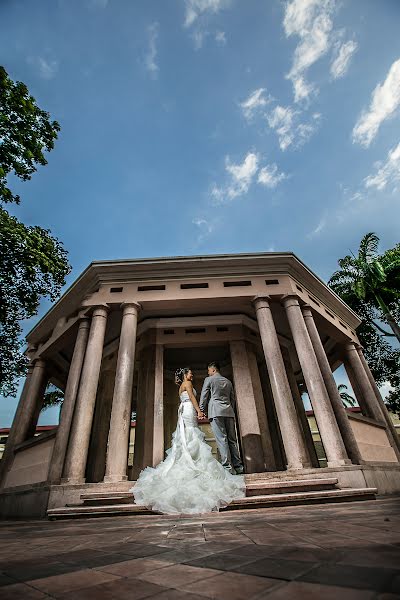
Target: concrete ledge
x: 37, y: 439
x: 61, y: 495
x: 24, y: 502
x: 364, y: 419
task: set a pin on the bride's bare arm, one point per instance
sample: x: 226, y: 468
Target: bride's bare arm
x: 189, y: 389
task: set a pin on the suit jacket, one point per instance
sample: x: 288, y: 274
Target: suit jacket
x: 217, y: 396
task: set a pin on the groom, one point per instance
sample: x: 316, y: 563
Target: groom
x: 217, y: 394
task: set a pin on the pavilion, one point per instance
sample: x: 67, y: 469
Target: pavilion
x: 115, y: 338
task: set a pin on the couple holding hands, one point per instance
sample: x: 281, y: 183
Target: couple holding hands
x: 190, y: 480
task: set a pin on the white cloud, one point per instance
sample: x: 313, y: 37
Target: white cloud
x: 321, y: 225
x: 47, y: 69
x: 220, y: 38
x: 242, y: 175
x: 151, y: 56
x: 384, y: 102
x: 270, y: 176
x: 281, y: 119
x: 254, y: 102
x: 311, y: 21
x: 198, y: 37
x: 197, y: 8
x: 285, y: 121
x: 388, y: 173
x: 344, y: 52
x: 205, y: 228
x: 240, y: 179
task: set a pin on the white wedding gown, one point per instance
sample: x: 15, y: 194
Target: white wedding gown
x: 190, y: 480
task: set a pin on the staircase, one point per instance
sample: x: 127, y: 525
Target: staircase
x: 261, y: 492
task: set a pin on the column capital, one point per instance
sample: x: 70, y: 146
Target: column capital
x: 307, y: 311
x: 261, y: 301
x: 84, y: 321
x: 350, y: 345
x: 100, y: 310
x: 131, y: 306
x: 39, y: 363
x: 291, y: 299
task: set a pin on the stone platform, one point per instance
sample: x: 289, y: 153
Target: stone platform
x: 346, y: 551
x: 261, y: 492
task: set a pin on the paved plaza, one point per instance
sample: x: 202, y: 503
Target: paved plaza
x: 347, y: 551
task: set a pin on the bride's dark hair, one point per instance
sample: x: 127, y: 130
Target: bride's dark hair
x: 180, y: 374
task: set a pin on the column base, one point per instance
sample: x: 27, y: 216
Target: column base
x: 299, y: 466
x: 72, y: 481
x: 115, y: 478
x: 339, y: 463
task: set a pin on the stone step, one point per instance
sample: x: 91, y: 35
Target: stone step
x: 104, y: 494
x: 105, y: 499
x: 98, y: 511
x: 252, y: 489
x: 292, y: 498
x: 260, y: 488
x: 262, y: 501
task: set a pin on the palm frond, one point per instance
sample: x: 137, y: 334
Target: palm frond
x: 368, y: 247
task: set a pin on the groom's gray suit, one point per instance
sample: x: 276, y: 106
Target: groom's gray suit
x: 218, y: 398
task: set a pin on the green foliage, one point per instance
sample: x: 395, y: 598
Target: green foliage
x: 33, y: 264
x: 372, y: 279
x: 52, y: 397
x: 370, y: 284
x: 347, y: 399
x: 25, y: 132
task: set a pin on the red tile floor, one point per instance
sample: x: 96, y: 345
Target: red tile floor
x: 332, y: 551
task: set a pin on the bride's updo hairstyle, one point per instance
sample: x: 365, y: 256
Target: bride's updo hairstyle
x: 180, y: 374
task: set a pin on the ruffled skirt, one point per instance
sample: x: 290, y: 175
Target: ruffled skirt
x: 190, y: 480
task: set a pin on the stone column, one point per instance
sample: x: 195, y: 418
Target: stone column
x: 272, y: 417
x: 342, y: 419
x: 138, y: 455
x: 249, y: 426
x: 269, y: 458
x: 37, y: 387
x: 149, y: 438
x: 394, y: 435
x: 75, y: 464
x: 301, y: 413
x: 158, y: 400
x: 364, y: 391
x: 97, y: 453
x: 120, y: 424
x: 64, y: 427
x: 30, y: 397
x: 328, y: 428
x: 356, y: 388
x: 295, y: 450
x: 39, y: 393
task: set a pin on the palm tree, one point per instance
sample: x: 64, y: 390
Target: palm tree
x: 373, y: 280
x: 346, y: 398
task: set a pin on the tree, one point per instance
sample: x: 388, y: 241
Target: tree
x: 25, y: 131
x: 347, y: 399
x: 382, y: 280
x: 372, y: 279
x: 33, y: 264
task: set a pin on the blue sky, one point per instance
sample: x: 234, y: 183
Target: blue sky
x: 208, y: 126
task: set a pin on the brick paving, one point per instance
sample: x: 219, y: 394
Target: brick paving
x: 332, y: 552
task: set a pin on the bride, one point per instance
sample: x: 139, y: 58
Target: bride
x: 190, y: 480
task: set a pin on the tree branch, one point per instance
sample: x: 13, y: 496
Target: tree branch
x: 386, y: 333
